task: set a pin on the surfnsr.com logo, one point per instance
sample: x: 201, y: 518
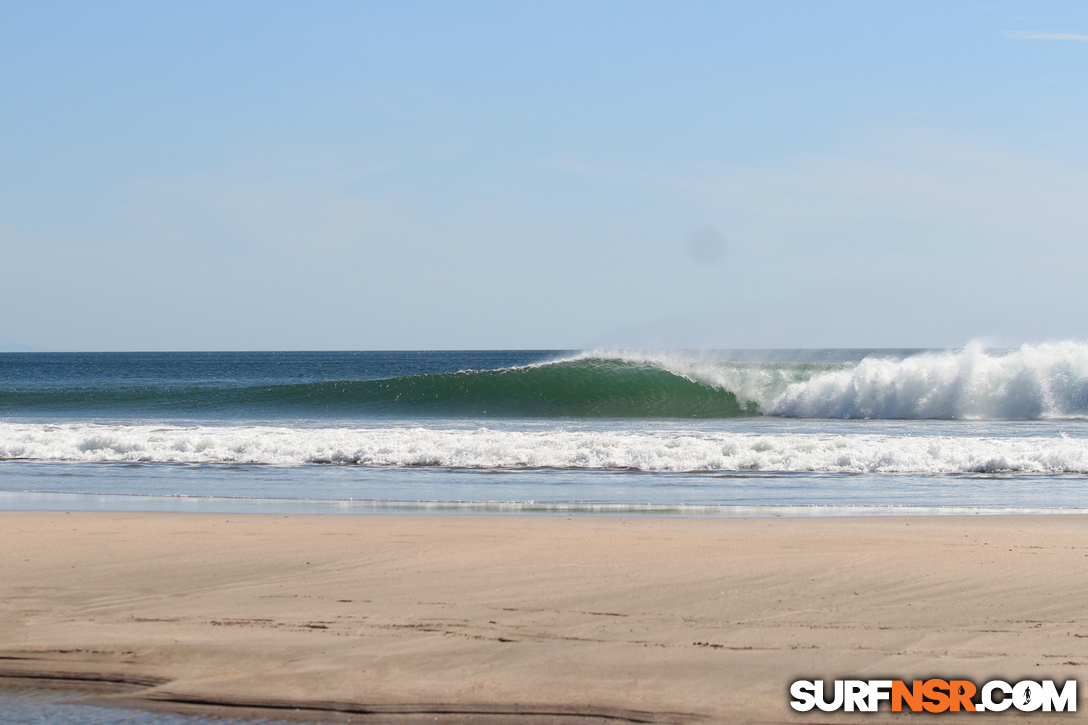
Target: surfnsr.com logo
x: 934, y: 695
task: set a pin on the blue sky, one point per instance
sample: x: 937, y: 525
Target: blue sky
x: 233, y: 175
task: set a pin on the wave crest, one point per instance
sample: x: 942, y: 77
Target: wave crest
x: 590, y: 387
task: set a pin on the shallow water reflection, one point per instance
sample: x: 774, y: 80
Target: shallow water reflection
x: 64, y: 707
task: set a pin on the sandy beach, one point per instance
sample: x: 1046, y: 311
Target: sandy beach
x: 536, y: 619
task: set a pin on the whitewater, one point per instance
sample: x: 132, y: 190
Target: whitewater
x: 647, y: 451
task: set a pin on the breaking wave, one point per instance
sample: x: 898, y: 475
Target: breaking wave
x: 1031, y: 382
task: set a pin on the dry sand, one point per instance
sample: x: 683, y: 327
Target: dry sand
x: 480, y: 618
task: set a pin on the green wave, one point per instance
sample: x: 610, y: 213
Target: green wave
x: 586, y: 388
x: 582, y: 388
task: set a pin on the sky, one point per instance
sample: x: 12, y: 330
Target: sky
x: 554, y: 175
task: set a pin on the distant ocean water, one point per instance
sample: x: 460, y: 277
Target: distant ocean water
x: 662, y: 432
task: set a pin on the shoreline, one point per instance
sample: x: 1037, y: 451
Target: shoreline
x: 41, y: 501
x: 534, y: 618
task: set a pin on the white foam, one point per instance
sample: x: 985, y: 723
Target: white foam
x: 1044, y: 381
x: 483, y: 448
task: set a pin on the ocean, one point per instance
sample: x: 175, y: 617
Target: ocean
x: 696, y: 433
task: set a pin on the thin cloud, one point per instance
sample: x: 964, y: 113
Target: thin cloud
x: 1030, y: 35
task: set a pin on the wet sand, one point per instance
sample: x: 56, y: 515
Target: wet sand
x: 536, y: 619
